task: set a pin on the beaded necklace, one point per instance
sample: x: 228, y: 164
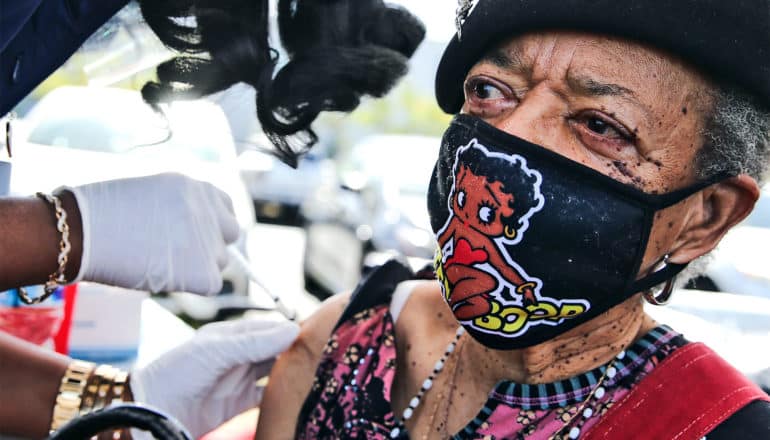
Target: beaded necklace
x: 427, y: 385
x: 598, y: 392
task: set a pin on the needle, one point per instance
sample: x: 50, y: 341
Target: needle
x: 241, y: 261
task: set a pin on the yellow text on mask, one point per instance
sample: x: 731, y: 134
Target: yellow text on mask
x: 512, y: 319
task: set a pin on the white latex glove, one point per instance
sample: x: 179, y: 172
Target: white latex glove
x: 159, y: 233
x: 211, y: 378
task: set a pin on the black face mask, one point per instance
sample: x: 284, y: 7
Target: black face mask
x: 532, y: 244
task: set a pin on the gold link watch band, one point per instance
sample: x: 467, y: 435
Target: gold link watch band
x: 71, y: 393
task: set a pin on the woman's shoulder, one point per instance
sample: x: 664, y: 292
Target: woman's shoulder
x: 315, y: 331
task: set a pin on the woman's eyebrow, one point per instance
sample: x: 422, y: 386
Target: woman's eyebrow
x: 510, y: 59
x: 588, y: 86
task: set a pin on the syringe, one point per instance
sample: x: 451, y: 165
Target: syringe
x: 243, y: 263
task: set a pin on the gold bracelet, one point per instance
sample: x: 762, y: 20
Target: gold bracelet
x: 57, y: 278
x: 70, y: 393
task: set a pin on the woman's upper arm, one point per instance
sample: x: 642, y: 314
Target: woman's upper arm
x: 293, y: 373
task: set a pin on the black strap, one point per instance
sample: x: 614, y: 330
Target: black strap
x: 376, y: 288
x: 752, y: 422
x: 653, y: 279
x: 122, y: 416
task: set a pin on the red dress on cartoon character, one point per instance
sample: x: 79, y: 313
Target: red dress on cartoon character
x: 481, y: 211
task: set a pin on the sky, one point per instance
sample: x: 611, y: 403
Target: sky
x: 438, y: 16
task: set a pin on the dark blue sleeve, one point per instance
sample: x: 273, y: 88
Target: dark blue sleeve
x: 13, y: 16
x: 752, y: 422
x: 39, y: 36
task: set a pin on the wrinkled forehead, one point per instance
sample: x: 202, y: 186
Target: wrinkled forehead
x: 598, y: 65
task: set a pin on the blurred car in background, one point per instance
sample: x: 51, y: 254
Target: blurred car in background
x: 79, y: 135
x: 375, y: 208
x: 740, y: 262
x: 276, y: 189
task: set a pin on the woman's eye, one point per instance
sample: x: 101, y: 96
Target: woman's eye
x: 482, y: 90
x: 600, y: 127
x: 461, y: 199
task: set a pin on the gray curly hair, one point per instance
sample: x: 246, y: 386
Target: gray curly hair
x: 737, y: 136
x: 737, y: 140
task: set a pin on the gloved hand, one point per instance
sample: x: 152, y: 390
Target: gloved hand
x: 211, y: 378
x: 158, y: 233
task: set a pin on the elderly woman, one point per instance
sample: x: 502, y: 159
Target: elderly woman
x: 599, y: 147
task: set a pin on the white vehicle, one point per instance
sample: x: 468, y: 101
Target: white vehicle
x: 376, y: 210
x: 79, y: 135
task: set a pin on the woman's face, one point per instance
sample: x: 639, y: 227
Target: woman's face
x: 628, y: 111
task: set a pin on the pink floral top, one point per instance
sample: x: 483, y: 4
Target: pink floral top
x: 350, y: 397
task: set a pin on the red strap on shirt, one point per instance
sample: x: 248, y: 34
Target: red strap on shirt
x: 689, y: 394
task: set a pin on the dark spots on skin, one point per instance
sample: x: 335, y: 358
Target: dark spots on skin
x: 440, y: 315
x: 623, y: 168
x: 408, y: 347
x: 684, y: 110
x: 414, y: 364
x: 670, y: 225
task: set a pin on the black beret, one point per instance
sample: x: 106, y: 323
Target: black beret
x: 727, y: 40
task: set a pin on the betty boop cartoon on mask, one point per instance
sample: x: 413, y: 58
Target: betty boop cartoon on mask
x: 492, y: 199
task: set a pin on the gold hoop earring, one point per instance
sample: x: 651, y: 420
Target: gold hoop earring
x: 510, y: 233
x: 660, y: 296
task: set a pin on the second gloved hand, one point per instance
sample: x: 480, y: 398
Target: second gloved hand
x: 158, y: 233
x: 212, y: 378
